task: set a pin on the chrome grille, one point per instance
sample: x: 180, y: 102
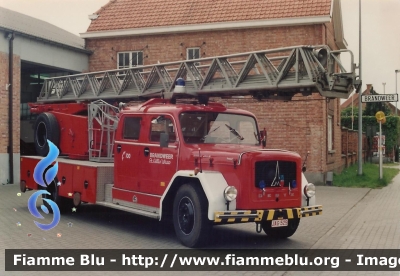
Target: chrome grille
x: 274, y: 173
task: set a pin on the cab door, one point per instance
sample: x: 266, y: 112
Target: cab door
x: 128, y: 153
x: 158, y: 162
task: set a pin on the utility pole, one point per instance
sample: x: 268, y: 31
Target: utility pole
x: 360, y: 157
x: 384, y: 83
x: 396, y: 71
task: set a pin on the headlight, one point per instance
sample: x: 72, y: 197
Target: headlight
x: 230, y: 193
x: 309, y: 190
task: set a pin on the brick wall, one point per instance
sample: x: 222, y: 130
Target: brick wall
x: 4, y: 102
x: 298, y: 125
x: 349, y: 152
x: 168, y: 47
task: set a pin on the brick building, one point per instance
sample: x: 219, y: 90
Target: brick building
x: 126, y: 33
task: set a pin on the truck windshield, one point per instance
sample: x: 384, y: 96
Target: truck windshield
x: 218, y: 128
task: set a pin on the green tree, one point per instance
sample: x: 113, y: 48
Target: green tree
x: 348, y: 111
x: 372, y: 108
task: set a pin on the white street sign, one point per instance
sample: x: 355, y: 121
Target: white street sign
x: 379, y: 98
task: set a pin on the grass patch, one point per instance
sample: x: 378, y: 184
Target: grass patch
x: 390, y: 164
x: 368, y: 179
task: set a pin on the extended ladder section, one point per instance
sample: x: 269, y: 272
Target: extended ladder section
x: 270, y: 74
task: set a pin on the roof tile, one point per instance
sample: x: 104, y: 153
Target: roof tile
x: 133, y: 14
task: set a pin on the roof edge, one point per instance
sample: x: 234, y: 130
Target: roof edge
x: 210, y: 26
x: 59, y: 44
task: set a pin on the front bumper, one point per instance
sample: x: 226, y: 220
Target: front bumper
x: 224, y: 217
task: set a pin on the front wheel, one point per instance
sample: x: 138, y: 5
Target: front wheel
x: 280, y: 232
x: 190, y: 219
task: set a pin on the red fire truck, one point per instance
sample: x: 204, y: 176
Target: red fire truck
x: 178, y: 155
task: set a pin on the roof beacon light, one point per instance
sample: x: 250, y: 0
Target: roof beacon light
x: 180, y: 86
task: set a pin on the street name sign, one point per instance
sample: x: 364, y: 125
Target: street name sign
x: 379, y: 98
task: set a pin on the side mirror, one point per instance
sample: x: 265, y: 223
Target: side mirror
x: 164, y: 139
x: 158, y: 120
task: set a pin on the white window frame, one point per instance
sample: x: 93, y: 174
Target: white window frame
x: 132, y: 55
x: 190, y: 55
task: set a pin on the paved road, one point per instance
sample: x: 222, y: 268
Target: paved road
x: 353, y: 218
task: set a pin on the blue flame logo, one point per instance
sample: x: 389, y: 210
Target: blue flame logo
x: 43, y: 177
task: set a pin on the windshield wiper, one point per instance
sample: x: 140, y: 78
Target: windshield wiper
x: 240, y: 137
x: 211, y: 131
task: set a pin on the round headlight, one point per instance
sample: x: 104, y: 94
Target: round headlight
x: 230, y: 193
x: 309, y: 190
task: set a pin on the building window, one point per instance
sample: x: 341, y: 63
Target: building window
x: 193, y: 53
x: 130, y: 59
x: 330, y: 132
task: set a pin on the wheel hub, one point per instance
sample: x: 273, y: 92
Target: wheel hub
x: 186, y: 215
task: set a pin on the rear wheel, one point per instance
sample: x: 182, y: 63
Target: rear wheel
x: 63, y: 203
x: 190, y: 219
x: 46, y: 128
x: 280, y: 232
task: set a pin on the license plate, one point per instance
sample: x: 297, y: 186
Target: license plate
x: 279, y: 223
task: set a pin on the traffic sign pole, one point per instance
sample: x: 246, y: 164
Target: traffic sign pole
x: 380, y: 150
x: 380, y: 117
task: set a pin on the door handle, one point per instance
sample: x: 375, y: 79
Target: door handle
x: 119, y: 148
x: 146, y: 151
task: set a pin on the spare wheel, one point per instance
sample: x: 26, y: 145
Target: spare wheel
x: 46, y: 128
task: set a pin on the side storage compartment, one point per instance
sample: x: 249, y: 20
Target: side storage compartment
x: 28, y: 165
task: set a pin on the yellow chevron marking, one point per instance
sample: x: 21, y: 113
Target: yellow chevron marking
x: 246, y: 219
x: 290, y: 214
x: 270, y: 215
x: 260, y: 214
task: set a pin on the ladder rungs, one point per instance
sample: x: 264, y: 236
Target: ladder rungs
x: 217, y: 75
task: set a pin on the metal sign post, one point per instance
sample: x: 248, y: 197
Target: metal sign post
x: 380, y: 117
x: 380, y: 150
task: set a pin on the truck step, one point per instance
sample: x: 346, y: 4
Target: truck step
x: 108, y: 193
x: 130, y: 210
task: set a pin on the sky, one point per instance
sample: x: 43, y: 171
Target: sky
x: 380, y: 35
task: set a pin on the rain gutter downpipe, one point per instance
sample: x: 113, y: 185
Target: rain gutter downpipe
x: 10, y: 37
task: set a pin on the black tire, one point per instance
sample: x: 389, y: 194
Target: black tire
x: 191, y: 223
x: 280, y: 232
x: 64, y: 204
x: 46, y: 128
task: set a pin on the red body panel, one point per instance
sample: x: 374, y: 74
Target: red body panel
x: 73, y: 122
x: 27, y: 167
x: 66, y: 176
x: 137, y: 198
x: 73, y: 135
x: 74, y: 178
x: 85, y: 179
